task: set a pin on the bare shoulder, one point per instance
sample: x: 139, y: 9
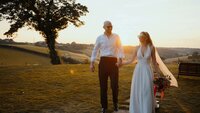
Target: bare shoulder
x: 136, y: 48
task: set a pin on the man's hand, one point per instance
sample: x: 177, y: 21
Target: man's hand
x: 92, y: 68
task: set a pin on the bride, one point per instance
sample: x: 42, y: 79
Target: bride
x: 142, y: 97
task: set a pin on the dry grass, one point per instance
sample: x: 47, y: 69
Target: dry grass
x: 61, y: 88
x: 74, y: 89
x: 14, y: 57
x: 32, y: 47
x: 184, y: 99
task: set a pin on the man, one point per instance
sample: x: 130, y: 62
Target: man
x: 111, y: 52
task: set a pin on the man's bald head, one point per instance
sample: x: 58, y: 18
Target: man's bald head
x: 107, y: 23
x: 108, y: 27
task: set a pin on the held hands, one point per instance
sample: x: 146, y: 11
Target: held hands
x: 119, y: 64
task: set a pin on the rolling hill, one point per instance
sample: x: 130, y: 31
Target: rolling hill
x: 65, y: 53
x: 66, y: 56
x: 80, y: 53
x: 9, y: 56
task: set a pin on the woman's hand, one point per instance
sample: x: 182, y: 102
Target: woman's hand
x: 157, y: 75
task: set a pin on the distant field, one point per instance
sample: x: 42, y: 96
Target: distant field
x: 74, y: 89
x: 170, y: 55
x: 14, y: 57
x: 175, y: 60
x: 76, y: 56
x: 32, y: 47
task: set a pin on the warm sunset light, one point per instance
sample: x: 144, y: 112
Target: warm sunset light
x: 172, y: 23
x: 99, y: 56
x: 72, y: 71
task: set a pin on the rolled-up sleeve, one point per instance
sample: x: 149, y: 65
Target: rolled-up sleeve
x: 95, y: 50
x: 120, y: 48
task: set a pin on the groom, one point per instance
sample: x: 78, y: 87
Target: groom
x: 111, y: 52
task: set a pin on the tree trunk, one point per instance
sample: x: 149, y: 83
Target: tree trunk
x: 50, y: 40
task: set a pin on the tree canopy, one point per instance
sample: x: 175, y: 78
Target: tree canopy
x: 46, y: 16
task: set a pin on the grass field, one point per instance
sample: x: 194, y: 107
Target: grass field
x: 184, y: 99
x: 74, y: 89
x: 13, y: 57
x: 63, y: 88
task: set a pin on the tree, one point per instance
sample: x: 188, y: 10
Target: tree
x: 46, y: 16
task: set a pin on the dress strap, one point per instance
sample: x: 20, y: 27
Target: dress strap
x: 137, y: 47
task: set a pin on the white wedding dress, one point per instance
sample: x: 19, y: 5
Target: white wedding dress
x: 142, y: 97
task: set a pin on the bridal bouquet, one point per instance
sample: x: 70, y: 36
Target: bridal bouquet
x: 160, y: 84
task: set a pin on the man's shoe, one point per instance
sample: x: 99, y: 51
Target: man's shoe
x: 116, y: 107
x: 103, y: 110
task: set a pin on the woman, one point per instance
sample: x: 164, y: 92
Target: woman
x: 142, y: 97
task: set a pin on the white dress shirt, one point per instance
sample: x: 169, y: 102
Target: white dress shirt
x: 108, y: 46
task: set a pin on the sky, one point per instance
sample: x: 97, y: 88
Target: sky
x: 171, y: 23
